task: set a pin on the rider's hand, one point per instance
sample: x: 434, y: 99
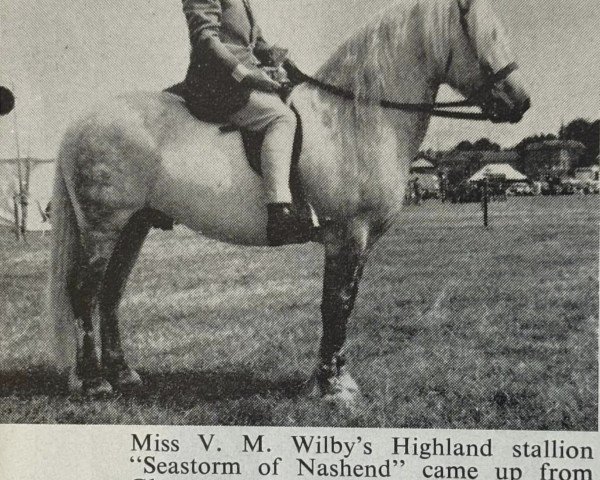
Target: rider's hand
x: 259, y: 80
x: 295, y: 75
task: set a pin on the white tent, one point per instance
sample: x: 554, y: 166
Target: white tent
x: 498, y: 170
x: 421, y: 163
x: 41, y: 177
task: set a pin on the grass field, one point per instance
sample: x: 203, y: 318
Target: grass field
x: 455, y: 327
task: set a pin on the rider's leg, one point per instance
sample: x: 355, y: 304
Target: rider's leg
x: 267, y: 112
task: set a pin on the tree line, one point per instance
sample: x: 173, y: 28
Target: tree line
x: 580, y: 130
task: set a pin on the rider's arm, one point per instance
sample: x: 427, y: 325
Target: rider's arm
x: 204, y: 22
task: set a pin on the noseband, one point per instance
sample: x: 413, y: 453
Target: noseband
x: 436, y: 109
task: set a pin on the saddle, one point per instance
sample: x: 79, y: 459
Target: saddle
x: 252, y: 142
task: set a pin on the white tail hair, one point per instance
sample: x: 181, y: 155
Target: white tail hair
x: 65, y: 250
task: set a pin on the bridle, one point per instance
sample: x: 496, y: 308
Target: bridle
x: 491, y: 78
x: 436, y: 109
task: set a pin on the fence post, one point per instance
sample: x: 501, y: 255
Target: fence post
x: 484, y: 199
x: 16, y: 206
x: 25, y: 198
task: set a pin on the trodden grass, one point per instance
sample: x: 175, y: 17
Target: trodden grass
x: 455, y: 327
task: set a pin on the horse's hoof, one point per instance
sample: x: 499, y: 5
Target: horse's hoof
x: 74, y: 383
x: 340, y: 389
x: 127, y: 380
x: 98, y: 388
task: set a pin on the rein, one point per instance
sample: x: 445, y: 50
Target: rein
x: 436, y: 109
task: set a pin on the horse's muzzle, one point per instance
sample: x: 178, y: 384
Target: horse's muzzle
x: 499, y: 112
x: 506, y: 102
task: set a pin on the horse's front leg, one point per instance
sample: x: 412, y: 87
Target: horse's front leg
x: 345, y: 257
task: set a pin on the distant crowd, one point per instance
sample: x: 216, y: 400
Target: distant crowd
x: 497, y: 190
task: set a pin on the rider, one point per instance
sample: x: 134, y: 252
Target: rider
x: 226, y: 83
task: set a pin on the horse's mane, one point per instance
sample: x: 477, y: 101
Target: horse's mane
x: 368, y: 57
x: 398, y: 48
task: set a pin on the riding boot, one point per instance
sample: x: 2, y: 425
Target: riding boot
x: 284, y: 226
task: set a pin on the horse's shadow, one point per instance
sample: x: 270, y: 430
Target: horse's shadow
x: 185, y: 388
x: 32, y: 382
x: 182, y: 389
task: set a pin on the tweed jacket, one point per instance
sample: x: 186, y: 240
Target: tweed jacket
x: 223, y: 34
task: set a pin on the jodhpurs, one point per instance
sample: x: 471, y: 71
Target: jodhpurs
x: 266, y: 111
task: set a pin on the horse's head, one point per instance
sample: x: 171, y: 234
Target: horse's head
x: 480, y: 63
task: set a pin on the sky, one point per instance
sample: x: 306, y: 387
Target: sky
x: 61, y: 57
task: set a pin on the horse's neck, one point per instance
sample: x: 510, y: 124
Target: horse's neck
x: 357, y: 153
x: 386, y: 60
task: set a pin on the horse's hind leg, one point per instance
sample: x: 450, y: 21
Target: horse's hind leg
x: 84, y: 284
x: 119, y: 268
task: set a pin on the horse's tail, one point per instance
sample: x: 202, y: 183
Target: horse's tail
x: 65, y: 255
